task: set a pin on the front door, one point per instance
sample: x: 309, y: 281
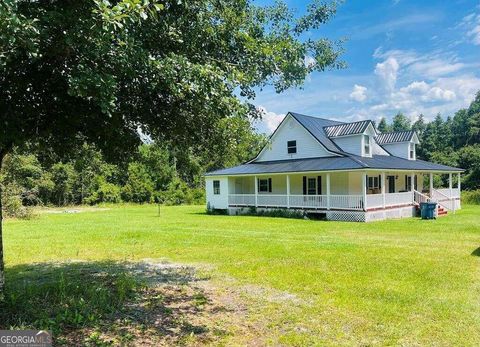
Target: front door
x: 391, y: 184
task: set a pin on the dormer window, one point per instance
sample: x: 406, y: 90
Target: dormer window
x: 366, y: 145
x: 411, y: 151
x: 292, y: 147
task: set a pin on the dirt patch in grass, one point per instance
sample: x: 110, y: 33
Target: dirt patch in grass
x: 136, y: 304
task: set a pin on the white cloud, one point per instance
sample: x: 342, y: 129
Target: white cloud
x: 387, y: 71
x: 474, y: 34
x: 436, y: 67
x: 425, y: 92
x: 429, y: 65
x: 415, y: 87
x: 359, y: 93
x: 439, y: 94
x: 471, y: 25
x: 269, y: 122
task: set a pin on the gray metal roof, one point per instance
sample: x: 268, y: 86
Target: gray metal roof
x: 397, y: 136
x: 350, y: 162
x: 315, y: 126
x: 347, y: 128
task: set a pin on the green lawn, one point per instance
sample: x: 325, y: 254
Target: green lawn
x: 403, y: 282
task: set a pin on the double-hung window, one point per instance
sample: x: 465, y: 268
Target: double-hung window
x: 366, y: 144
x: 373, y: 182
x: 265, y: 185
x: 292, y: 147
x: 216, y: 187
x: 412, y: 151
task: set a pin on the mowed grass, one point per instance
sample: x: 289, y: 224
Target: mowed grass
x: 400, y: 282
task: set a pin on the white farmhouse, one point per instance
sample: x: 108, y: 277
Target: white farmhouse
x: 346, y: 171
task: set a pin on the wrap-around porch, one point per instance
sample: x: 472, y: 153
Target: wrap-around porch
x: 351, y: 191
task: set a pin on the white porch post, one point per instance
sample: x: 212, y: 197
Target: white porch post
x: 412, y: 186
x: 256, y: 191
x: 450, y: 185
x: 364, y: 190
x: 383, y: 189
x: 459, y: 184
x: 328, y: 190
x: 288, y: 191
x: 431, y: 184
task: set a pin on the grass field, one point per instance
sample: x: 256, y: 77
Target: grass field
x: 402, y: 282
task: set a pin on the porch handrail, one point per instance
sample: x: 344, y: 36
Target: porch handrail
x: 443, y: 200
x: 420, y: 197
x: 446, y: 191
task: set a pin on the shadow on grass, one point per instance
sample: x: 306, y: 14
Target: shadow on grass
x: 476, y: 252
x: 108, y: 303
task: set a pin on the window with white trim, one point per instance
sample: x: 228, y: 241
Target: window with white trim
x: 216, y: 187
x: 366, y: 144
x: 373, y: 182
x: 292, y: 147
x: 412, y: 151
x: 263, y: 186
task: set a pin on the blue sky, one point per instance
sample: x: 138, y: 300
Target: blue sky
x: 402, y: 55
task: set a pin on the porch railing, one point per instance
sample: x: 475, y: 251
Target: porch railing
x: 241, y: 199
x: 446, y: 192
x: 420, y: 197
x: 448, y: 202
x: 340, y: 202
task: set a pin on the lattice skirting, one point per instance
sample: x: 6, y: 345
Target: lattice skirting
x: 346, y: 216
x: 350, y: 216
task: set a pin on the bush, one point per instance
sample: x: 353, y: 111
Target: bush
x: 13, y: 207
x: 471, y: 197
x: 178, y: 193
x: 139, y: 187
x: 106, y: 192
x: 282, y: 213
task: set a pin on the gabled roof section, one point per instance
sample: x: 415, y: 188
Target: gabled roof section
x: 394, y: 137
x: 316, y: 127
x: 345, y: 129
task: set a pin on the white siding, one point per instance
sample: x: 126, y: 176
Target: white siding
x: 355, y: 183
x: 350, y: 144
x: 219, y: 201
x: 243, y: 185
x: 289, y: 130
x: 378, y: 150
x: 399, y: 149
x: 338, y: 183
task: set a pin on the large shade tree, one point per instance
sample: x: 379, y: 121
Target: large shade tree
x: 74, y: 71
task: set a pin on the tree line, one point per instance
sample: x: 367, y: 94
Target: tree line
x: 454, y: 141
x: 154, y: 173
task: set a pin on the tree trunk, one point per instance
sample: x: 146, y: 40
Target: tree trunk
x: 3, y: 152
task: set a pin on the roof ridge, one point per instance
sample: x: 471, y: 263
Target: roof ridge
x: 398, y: 131
x: 314, y: 117
x: 357, y: 121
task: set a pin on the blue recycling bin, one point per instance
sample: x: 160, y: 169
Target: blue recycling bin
x: 427, y: 210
